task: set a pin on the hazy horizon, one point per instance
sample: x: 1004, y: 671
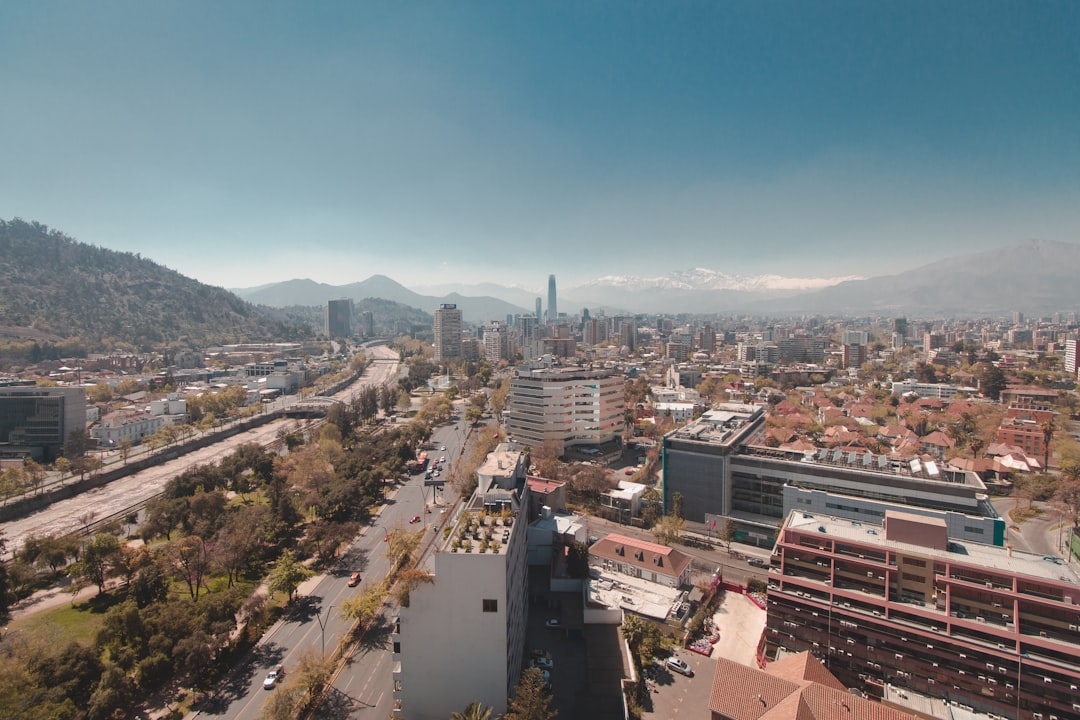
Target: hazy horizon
x: 250, y: 143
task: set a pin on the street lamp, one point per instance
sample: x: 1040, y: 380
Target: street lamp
x: 322, y: 628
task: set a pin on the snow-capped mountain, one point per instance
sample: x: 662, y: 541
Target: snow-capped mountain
x: 706, y: 279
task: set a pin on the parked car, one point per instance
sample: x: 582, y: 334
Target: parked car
x: 757, y: 562
x: 679, y: 666
x: 443, y: 448
x: 354, y: 579
x: 414, y: 519
x: 553, y: 623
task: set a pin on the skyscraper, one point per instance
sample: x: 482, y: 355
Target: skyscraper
x: 447, y: 332
x: 553, y: 307
x: 539, y: 310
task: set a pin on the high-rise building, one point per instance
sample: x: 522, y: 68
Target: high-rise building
x: 339, y: 318
x: 367, y: 324
x: 1072, y: 355
x: 553, y: 305
x: 539, y: 311
x: 447, y: 332
x: 497, y: 344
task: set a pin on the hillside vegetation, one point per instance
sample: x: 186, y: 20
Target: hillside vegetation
x: 61, y: 297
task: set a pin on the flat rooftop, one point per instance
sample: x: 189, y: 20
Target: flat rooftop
x: 992, y: 557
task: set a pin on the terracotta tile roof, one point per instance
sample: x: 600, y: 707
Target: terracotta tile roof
x: 797, y: 687
x: 660, y: 559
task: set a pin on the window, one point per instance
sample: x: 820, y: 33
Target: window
x: 491, y: 605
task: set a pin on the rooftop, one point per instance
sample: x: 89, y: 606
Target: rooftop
x: 1003, y: 559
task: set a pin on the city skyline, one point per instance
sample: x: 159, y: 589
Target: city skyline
x: 248, y: 144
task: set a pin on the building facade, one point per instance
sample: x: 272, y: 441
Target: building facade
x: 903, y: 608
x: 36, y: 422
x: 447, y: 332
x: 461, y: 638
x: 565, y: 406
x: 339, y: 318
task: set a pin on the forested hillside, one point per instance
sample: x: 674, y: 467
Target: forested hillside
x: 63, y: 297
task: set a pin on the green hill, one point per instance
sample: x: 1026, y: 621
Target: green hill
x: 63, y: 297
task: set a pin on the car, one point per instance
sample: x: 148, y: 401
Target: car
x: 271, y: 680
x: 544, y: 663
x: 629, y: 471
x: 414, y: 519
x: 756, y: 562
x: 354, y: 579
x: 442, y: 449
x: 679, y: 666
x: 553, y: 623
x: 442, y: 459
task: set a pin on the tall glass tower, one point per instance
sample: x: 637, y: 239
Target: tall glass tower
x: 553, y: 307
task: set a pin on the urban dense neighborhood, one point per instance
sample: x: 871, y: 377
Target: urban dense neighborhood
x: 584, y: 513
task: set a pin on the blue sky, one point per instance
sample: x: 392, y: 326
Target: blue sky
x: 250, y: 142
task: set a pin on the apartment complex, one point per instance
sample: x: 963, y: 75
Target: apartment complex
x: 903, y: 608
x: 447, y: 332
x: 725, y: 474
x: 36, y: 421
x: 462, y: 638
x: 565, y: 406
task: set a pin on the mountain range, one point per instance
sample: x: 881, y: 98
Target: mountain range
x: 1034, y: 276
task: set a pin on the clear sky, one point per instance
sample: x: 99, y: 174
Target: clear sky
x: 250, y: 142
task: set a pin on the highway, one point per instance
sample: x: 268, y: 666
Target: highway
x: 68, y: 516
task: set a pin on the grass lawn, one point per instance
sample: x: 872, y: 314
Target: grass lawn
x: 80, y: 621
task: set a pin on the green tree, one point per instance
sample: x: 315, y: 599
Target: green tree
x: 531, y: 699
x: 287, y: 575
x: 577, y: 560
x: 98, y: 559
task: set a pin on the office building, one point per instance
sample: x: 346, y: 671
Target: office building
x: 725, y: 474
x: 497, y: 342
x: 339, y: 318
x: 905, y: 612
x: 553, y: 305
x: 447, y: 332
x: 367, y: 324
x: 565, y: 406
x: 36, y: 422
x: 461, y: 638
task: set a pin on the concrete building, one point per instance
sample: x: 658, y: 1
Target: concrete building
x: 726, y: 474
x: 339, y: 318
x: 565, y: 406
x: 130, y: 425
x: 36, y: 422
x: 903, y: 611
x: 461, y: 638
x: 497, y: 342
x: 447, y: 332
x: 943, y: 391
x: 367, y: 324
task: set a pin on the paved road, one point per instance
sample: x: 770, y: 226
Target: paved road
x: 65, y: 516
x: 364, y: 688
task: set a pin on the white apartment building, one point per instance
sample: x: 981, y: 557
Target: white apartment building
x: 567, y: 407
x: 943, y: 391
x: 462, y: 638
x: 131, y: 425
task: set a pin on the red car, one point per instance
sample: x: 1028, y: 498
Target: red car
x: 414, y: 519
x: 354, y: 579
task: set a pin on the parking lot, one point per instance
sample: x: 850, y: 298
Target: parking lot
x: 740, y: 623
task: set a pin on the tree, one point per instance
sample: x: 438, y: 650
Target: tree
x: 473, y: 711
x: 5, y: 584
x: 991, y: 380
x: 727, y: 533
x: 365, y: 605
x: 407, y: 581
x: 192, y: 562
x: 98, y: 558
x: 287, y: 575
x: 577, y: 560
x: 1048, y: 428
x: 643, y: 638
x: 531, y: 700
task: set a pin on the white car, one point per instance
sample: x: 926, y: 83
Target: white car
x: 271, y: 680
x: 553, y: 623
x: 679, y: 666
